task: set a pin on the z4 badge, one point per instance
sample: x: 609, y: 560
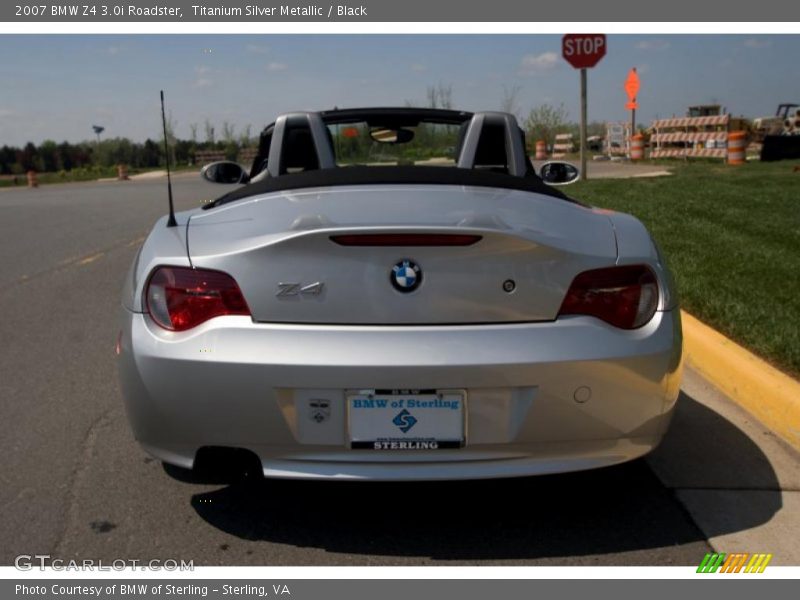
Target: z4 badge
x: 297, y: 289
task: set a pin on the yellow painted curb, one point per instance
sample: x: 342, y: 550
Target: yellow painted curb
x: 765, y: 392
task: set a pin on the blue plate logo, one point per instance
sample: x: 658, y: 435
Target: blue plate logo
x: 406, y: 276
x: 404, y: 420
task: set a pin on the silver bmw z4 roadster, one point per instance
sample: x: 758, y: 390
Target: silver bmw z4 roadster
x: 397, y: 294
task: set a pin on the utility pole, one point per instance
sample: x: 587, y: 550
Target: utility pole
x: 583, y: 124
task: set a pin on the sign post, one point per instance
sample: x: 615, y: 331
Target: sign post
x: 632, y: 89
x: 583, y: 51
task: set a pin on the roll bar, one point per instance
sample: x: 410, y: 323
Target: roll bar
x: 319, y: 134
x: 515, y: 151
x: 516, y: 159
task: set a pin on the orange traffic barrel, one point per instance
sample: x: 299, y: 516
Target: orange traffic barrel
x: 637, y: 147
x: 33, y: 181
x: 541, y: 150
x: 736, y: 147
x: 122, y: 172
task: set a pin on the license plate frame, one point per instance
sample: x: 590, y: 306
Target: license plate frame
x: 431, y: 420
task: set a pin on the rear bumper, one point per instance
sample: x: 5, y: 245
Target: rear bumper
x: 235, y: 383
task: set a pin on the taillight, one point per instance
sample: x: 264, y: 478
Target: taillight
x: 625, y: 297
x: 179, y: 298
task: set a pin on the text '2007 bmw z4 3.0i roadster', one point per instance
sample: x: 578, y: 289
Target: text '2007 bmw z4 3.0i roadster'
x: 396, y: 294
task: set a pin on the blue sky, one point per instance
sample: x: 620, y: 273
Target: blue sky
x: 57, y: 86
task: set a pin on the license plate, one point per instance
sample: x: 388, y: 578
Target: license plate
x: 406, y: 419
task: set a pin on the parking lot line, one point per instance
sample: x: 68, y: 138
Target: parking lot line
x: 90, y: 259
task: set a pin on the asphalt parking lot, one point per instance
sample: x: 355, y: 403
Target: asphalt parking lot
x: 74, y: 484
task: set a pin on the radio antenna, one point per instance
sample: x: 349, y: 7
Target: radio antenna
x: 171, y: 222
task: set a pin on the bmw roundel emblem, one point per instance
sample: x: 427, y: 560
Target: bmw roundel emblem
x: 406, y: 276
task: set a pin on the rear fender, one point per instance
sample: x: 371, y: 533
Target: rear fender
x: 164, y: 246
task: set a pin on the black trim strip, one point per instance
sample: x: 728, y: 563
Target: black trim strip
x: 392, y: 176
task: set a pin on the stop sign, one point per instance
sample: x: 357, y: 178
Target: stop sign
x: 583, y: 50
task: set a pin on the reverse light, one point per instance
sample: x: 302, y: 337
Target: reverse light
x: 625, y: 296
x: 179, y: 298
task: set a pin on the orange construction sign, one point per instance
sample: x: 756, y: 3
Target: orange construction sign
x: 632, y: 89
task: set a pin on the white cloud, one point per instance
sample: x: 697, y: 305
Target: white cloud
x: 276, y: 66
x: 113, y: 50
x: 202, y: 80
x: 654, y: 44
x: 756, y: 43
x: 535, y: 63
x: 418, y: 68
x: 256, y: 49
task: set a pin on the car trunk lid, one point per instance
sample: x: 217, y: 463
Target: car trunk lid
x: 299, y: 257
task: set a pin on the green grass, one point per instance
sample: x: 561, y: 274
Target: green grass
x: 731, y: 236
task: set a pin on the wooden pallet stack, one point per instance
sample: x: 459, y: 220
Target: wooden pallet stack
x: 204, y: 157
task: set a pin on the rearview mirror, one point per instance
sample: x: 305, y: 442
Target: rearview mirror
x: 559, y: 173
x: 224, y: 172
x: 386, y: 135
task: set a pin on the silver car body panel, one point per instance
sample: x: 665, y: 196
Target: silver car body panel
x: 543, y: 393
x: 235, y: 383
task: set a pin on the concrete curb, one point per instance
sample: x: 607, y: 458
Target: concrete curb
x: 765, y: 392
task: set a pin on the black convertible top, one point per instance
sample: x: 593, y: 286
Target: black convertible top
x: 297, y: 152
x: 391, y: 175
x: 397, y: 117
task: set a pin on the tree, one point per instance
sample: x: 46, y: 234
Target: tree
x: 151, y: 154
x: 8, y: 156
x: 186, y: 153
x: 209, y: 132
x: 231, y: 148
x: 596, y: 128
x: 509, y: 103
x: 228, y: 132
x: 170, y: 126
x: 246, y: 135
x: 48, y: 152
x: 29, y: 158
x: 440, y: 96
x: 545, y: 121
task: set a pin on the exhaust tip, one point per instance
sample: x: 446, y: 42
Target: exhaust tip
x: 222, y: 464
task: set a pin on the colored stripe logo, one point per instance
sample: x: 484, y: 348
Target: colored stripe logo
x: 739, y: 562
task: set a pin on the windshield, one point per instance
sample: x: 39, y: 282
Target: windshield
x: 428, y: 144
